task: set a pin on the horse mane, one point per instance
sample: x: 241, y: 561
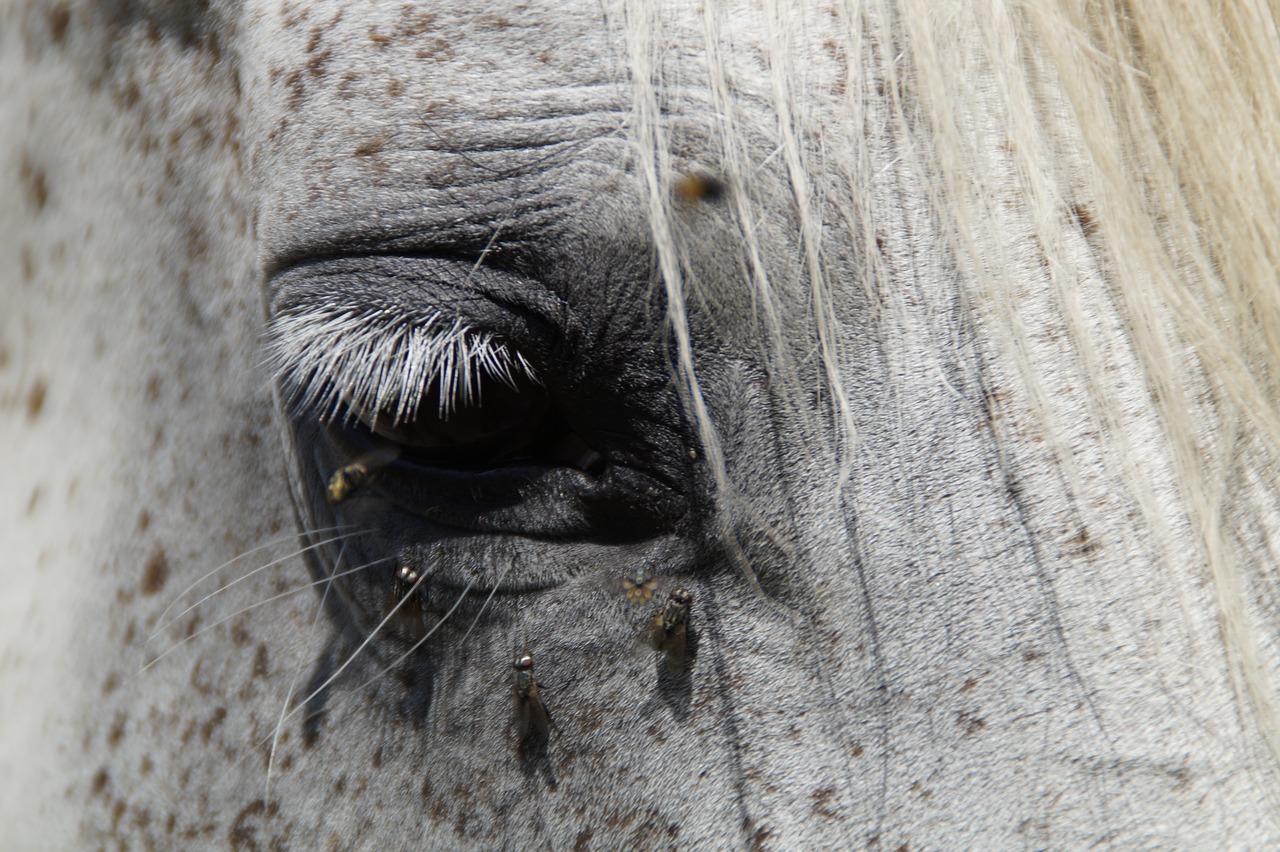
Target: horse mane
x: 1122, y: 154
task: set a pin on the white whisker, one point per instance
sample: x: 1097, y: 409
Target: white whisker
x: 161, y: 628
x: 311, y: 628
x: 295, y: 590
x: 272, y: 543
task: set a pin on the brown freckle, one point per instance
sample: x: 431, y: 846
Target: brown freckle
x: 340, y: 786
x: 239, y: 635
x: 296, y: 89
x: 33, y: 500
x: 760, y: 836
x: 902, y: 848
x: 822, y: 802
x: 395, y: 89
x: 1084, y: 217
x: 130, y: 95
x: 110, y: 684
x: 146, y: 765
x: 583, y: 840
x: 116, y: 733
x: 969, y: 685
x: 100, y: 779
x: 317, y: 63
x: 210, y: 724
x: 378, y: 38
x: 35, y: 184
x: 1032, y: 655
x: 144, y: 521
x: 855, y: 750
x: 35, y: 399
x: 155, y: 573
x: 152, y: 392
x: 370, y: 146
x: 59, y: 19
x: 377, y: 758
x: 971, y: 724
x: 260, y: 662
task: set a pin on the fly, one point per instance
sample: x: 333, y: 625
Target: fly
x: 405, y: 600
x: 532, y: 719
x: 350, y: 478
x: 668, y: 631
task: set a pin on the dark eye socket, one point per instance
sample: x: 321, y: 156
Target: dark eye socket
x: 501, y: 423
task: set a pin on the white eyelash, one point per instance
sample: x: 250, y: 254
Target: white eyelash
x: 349, y: 362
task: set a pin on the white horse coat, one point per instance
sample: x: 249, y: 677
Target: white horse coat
x: 978, y: 533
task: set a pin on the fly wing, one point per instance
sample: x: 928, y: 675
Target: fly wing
x: 656, y: 634
x: 539, y: 720
x: 675, y: 649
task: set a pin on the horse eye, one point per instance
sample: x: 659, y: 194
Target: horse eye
x: 501, y: 422
x: 497, y: 420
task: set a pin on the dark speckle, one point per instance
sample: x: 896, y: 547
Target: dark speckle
x: 155, y: 573
x: 59, y: 18
x: 212, y: 723
x: 583, y: 841
x: 35, y: 399
x: 370, y: 146
x: 144, y: 521
x: 260, y: 666
x: 1084, y: 218
x: 117, y: 731
x: 971, y: 723
x: 244, y: 833
x: 822, y: 802
x: 35, y: 185
x: 100, y: 780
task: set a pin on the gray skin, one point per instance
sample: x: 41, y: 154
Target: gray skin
x: 956, y: 646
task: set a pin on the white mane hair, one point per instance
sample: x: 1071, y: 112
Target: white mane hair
x: 980, y: 341
x: 1111, y: 166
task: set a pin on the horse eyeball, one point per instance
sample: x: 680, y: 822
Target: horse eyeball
x: 496, y: 419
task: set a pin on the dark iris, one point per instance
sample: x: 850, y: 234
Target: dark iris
x: 500, y: 424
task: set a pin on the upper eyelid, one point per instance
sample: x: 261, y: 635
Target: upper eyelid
x: 332, y: 359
